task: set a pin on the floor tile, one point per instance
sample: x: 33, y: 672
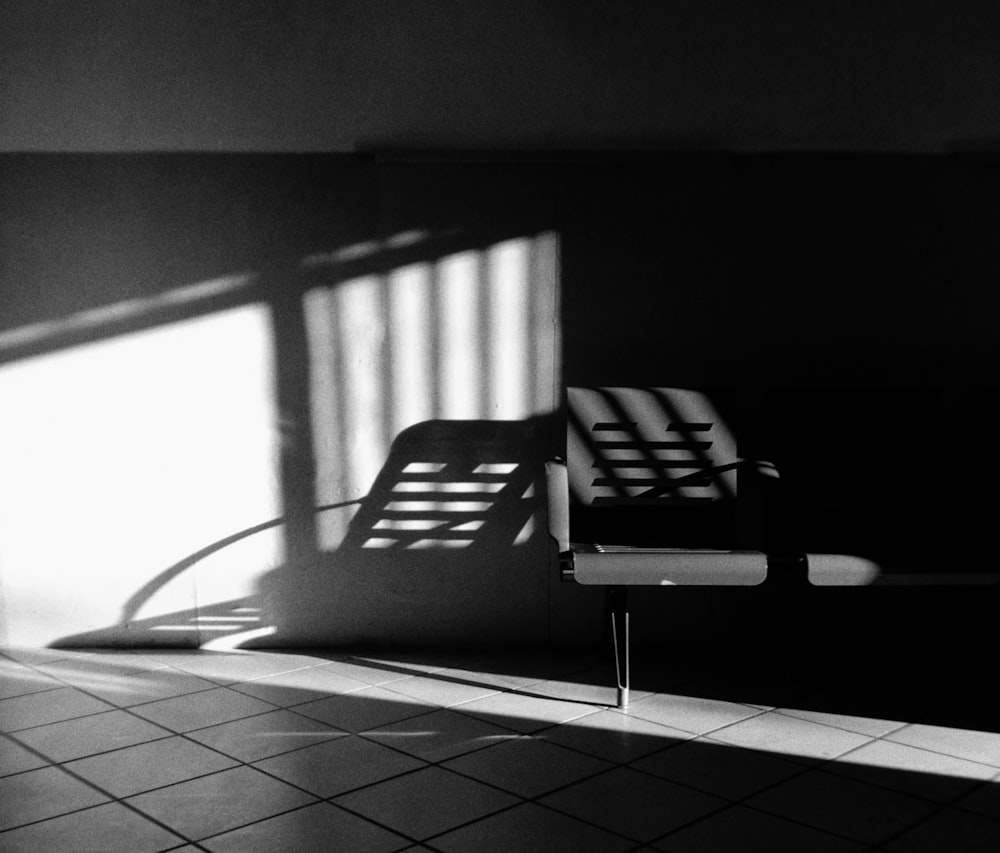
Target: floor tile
x: 368, y: 672
x: 801, y: 740
x: 439, y: 692
x: 530, y: 828
x: 43, y: 793
x: 919, y: 772
x: 264, y: 735
x: 50, y: 706
x: 223, y: 801
x: 337, y: 766
x: 111, y: 828
x: 90, y: 735
x: 14, y: 758
x: 590, y: 687
x: 413, y: 663
x: 148, y: 686
x: 129, y: 658
x: 831, y: 771
x: 520, y: 670
x: 750, y: 831
x: 614, y: 736
x: 527, y: 766
x: 98, y: 669
x: 149, y: 765
x: 545, y: 664
x: 689, y: 713
x: 227, y: 668
x: 440, y: 734
x: 200, y: 710
x: 872, y: 726
x: 488, y: 679
x: 980, y: 746
x: 843, y: 806
x: 176, y: 657
x: 34, y: 656
x: 19, y: 680
x: 525, y: 713
x: 318, y: 828
x: 633, y: 804
x: 950, y: 831
x: 718, y: 768
x: 984, y: 799
x: 426, y: 802
x: 298, y: 686
x: 361, y: 710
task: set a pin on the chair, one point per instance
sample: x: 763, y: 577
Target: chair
x: 648, y: 495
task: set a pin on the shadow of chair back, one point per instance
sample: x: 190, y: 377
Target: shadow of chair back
x: 452, y: 485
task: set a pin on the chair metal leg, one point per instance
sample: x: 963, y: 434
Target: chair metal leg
x: 618, y: 599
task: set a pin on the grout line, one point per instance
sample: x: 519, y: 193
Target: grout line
x: 826, y: 763
x: 924, y: 818
x: 104, y: 793
x: 60, y: 763
x: 994, y: 767
x: 822, y: 764
x: 318, y: 801
x: 783, y: 711
x: 55, y: 686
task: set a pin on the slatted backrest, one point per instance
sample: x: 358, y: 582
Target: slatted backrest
x: 640, y: 452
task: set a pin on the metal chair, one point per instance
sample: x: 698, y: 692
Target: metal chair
x: 653, y: 492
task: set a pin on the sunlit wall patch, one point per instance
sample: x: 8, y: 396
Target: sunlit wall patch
x: 467, y: 336
x: 509, y: 329
x: 459, y: 337
x: 410, y: 342
x: 123, y: 456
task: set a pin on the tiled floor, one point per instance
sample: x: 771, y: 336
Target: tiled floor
x: 251, y: 751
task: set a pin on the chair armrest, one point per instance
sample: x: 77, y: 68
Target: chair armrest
x: 557, y: 482
x: 761, y: 467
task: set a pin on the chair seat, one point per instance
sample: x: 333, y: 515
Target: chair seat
x: 604, y: 565
x: 850, y: 570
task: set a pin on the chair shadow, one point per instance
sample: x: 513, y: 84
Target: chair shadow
x: 445, y: 546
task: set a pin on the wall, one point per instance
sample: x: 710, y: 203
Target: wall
x: 305, y: 75
x: 203, y: 358
x: 207, y: 360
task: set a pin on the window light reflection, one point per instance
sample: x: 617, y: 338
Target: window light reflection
x: 123, y: 455
x: 472, y: 335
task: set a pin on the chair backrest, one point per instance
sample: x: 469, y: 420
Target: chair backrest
x: 650, y: 466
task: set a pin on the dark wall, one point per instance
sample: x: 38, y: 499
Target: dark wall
x: 81, y: 231
x: 224, y: 75
x: 782, y: 270
x: 852, y: 295
x: 850, y: 300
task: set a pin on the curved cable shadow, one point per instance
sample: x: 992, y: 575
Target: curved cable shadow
x: 145, y: 592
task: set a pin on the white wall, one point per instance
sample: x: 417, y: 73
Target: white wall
x: 122, y: 457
